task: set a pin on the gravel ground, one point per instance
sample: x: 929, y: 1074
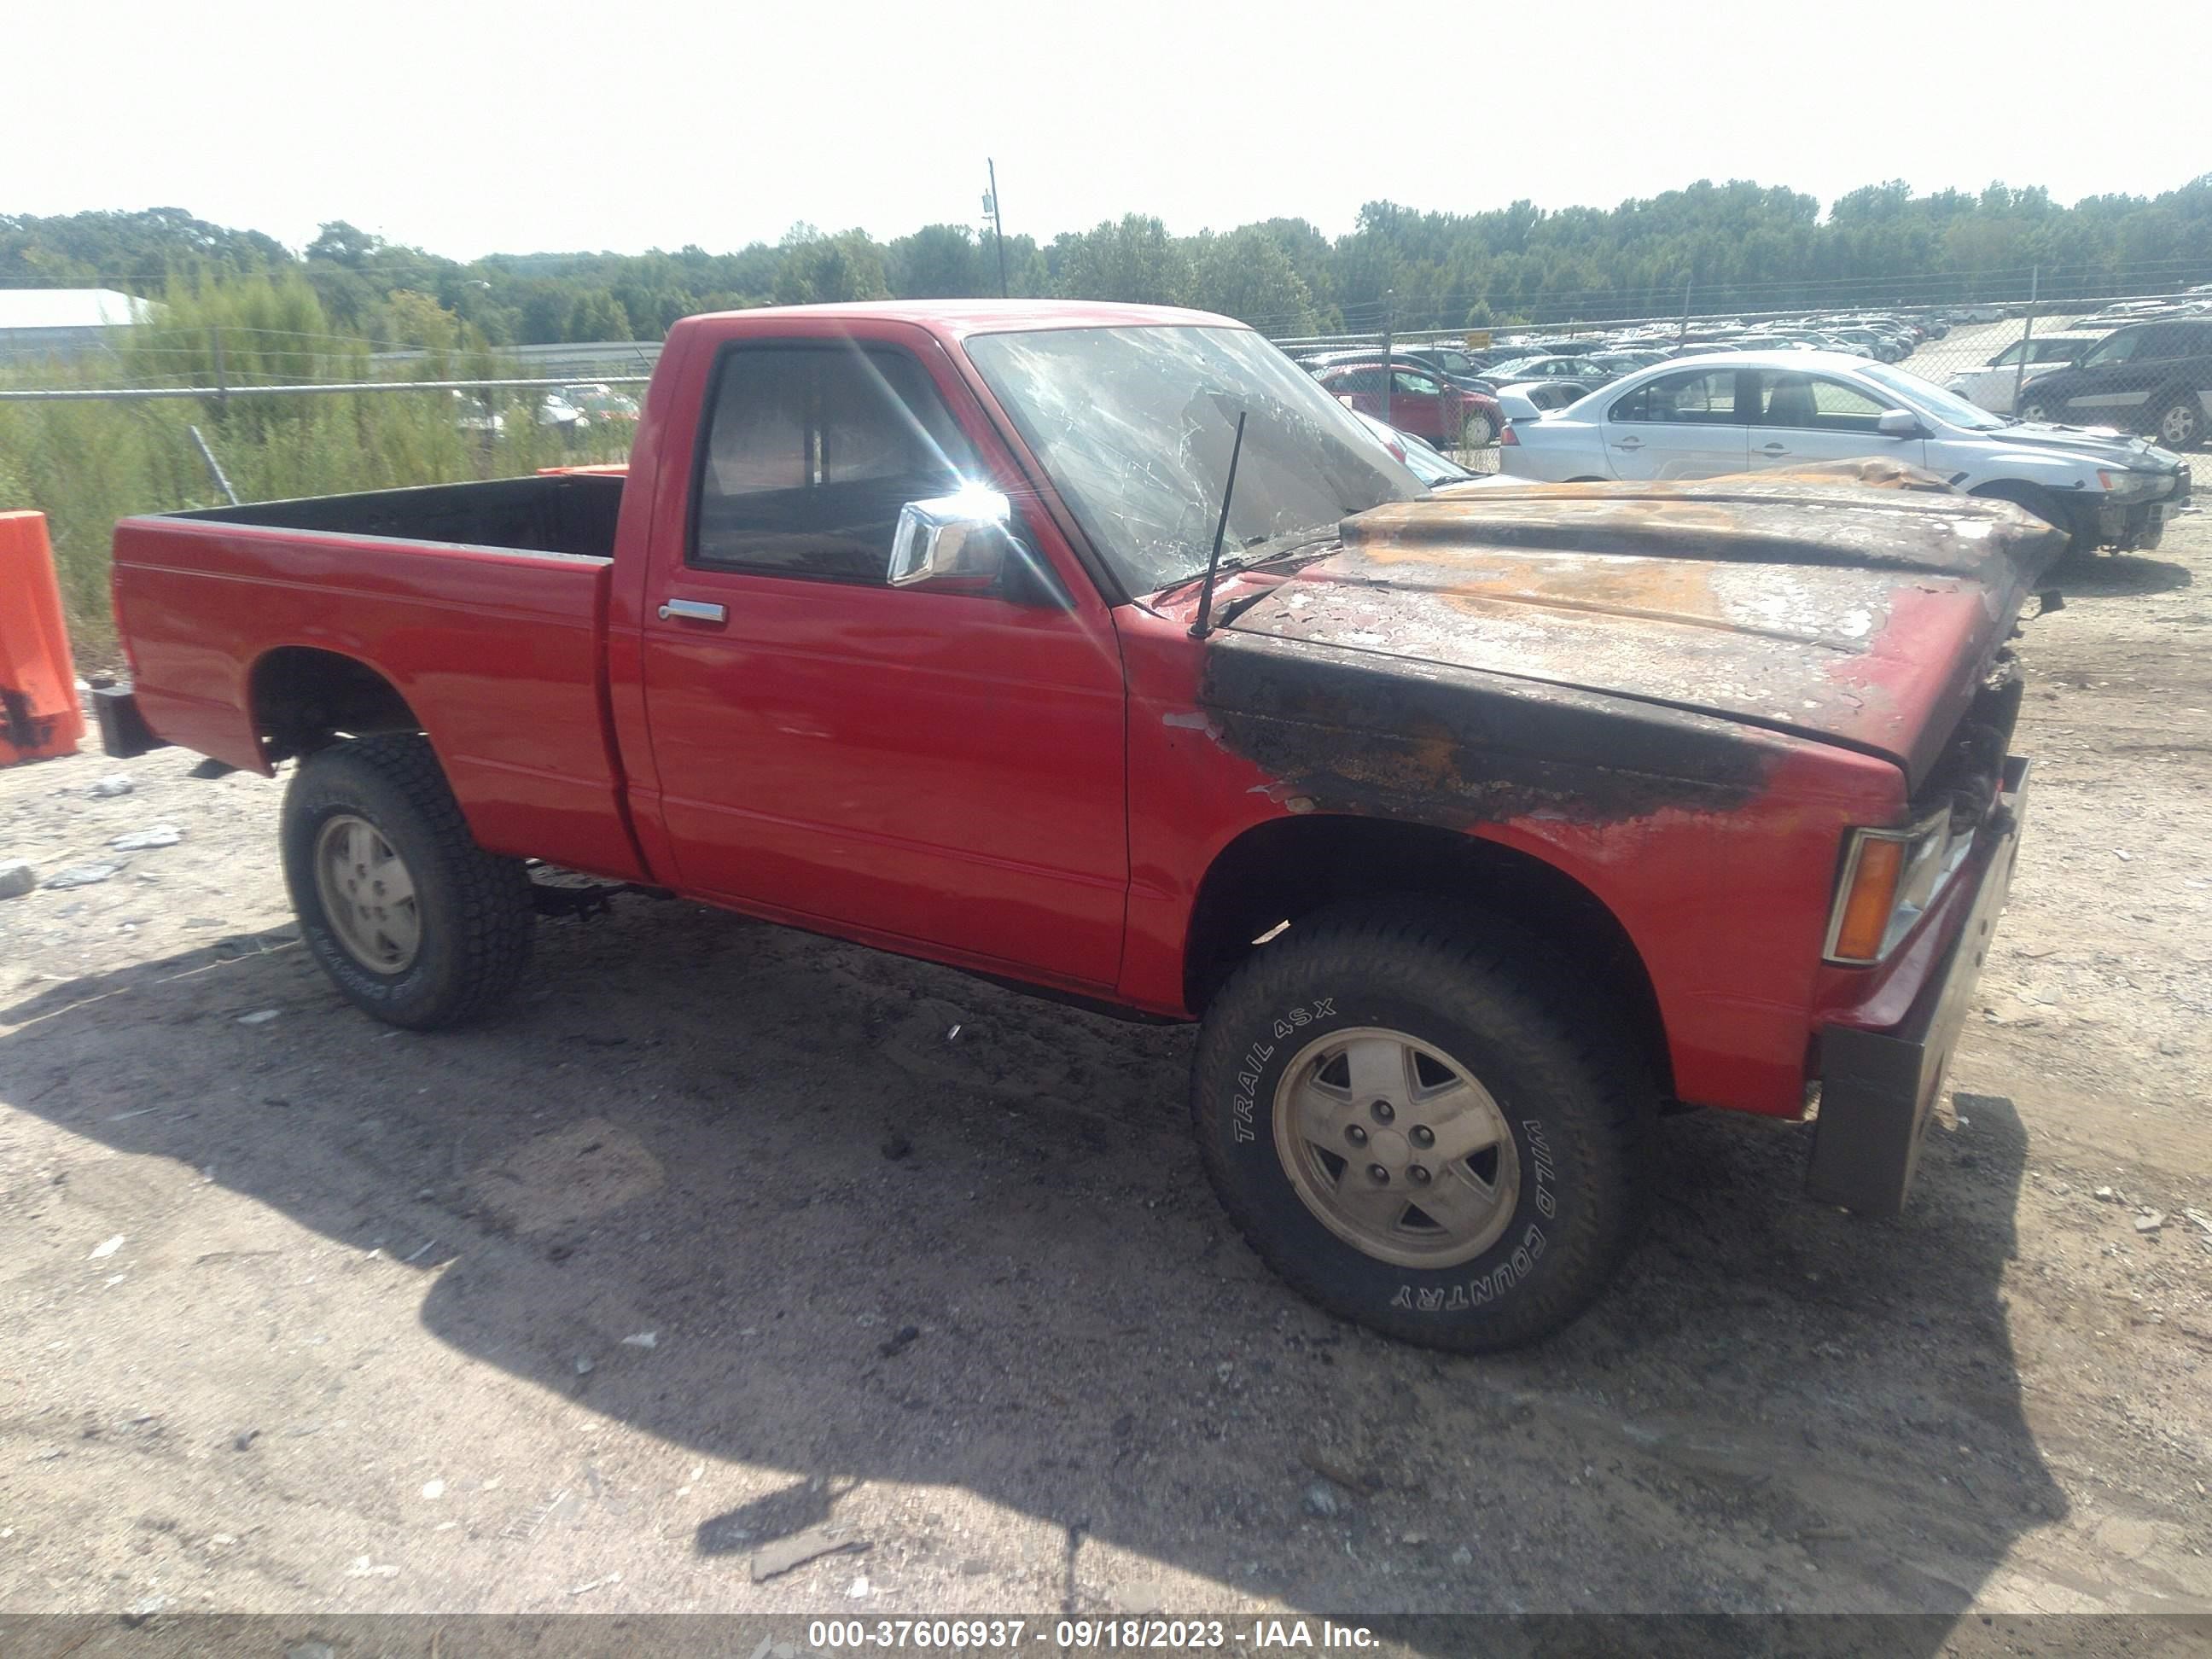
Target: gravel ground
x: 723, y: 1233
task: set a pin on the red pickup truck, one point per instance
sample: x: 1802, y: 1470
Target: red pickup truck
x: 1476, y: 830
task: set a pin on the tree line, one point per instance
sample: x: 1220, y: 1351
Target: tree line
x: 1732, y: 247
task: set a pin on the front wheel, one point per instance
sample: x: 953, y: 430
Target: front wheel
x: 2045, y: 506
x: 412, y: 920
x: 1414, y: 1129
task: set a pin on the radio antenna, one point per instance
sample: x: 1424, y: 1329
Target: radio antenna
x: 1199, y: 629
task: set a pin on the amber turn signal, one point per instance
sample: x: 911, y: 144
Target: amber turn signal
x: 1871, y: 900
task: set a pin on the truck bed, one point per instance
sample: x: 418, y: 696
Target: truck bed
x: 483, y: 605
x: 572, y: 514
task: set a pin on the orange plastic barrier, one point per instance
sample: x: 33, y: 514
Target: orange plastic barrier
x: 39, y: 714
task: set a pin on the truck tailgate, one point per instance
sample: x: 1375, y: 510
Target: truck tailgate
x: 499, y: 653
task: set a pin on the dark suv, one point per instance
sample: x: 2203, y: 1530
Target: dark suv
x: 2154, y: 378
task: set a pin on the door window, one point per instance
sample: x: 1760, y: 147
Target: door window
x: 1810, y: 401
x: 1417, y: 385
x: 1689, y: 398
x: 2116, y: 348
x: 810, y: 453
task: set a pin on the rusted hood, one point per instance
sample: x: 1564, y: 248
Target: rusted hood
x: 1863, y: 613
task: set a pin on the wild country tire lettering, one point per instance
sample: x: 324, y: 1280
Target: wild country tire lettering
x: 1489, y: 1286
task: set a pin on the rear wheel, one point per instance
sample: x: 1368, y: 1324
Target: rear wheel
x: 1412, y: 1126
x: 412, y: 920
x: 2180, y: 424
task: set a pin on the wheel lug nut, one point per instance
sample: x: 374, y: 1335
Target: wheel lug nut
x: 1423, y: 1135
x: 1355, y: 1135
x: 1418, y: 1174
x: 1383, y: 1111
x: 1378, y: 1174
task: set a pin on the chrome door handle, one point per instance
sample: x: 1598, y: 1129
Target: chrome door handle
x: 694, y: 610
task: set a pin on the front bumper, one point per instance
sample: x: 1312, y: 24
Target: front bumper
x: 1877, y: 1087
x: 2129, y: 525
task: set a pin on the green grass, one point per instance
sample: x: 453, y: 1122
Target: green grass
x: 86, y: 464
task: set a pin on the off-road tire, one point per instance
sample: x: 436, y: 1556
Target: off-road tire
x: 1579, y: 1106
x: 477, y: 921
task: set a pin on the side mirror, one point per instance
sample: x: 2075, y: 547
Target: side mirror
x: 959, y: 541
x: 1898, y: 423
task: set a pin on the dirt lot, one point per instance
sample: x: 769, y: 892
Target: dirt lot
x: 577, y: 1311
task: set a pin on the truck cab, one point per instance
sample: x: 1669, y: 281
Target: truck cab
x: 1097, y: 649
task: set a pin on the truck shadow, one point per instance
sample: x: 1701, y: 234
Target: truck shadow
x: 2118, y: 575
x: 891, y: 1225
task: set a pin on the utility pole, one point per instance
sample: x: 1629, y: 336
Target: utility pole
x: 2026, y: 334
x: 1683, y: 333
x: 1389, y: 294
x: 997, y: 225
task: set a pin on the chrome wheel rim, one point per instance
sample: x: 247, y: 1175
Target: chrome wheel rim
x: 2178, y: 427
x: 367, y: 895
x: 1395, y: 1147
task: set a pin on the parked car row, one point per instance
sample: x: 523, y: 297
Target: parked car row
x: 2139, y: 365
x: 2152, y: 377
x: 1449, y: 395
x: 1449, y: 413
x: 574, y: 409
x: 2192, y: 305
x: 1748, y: 411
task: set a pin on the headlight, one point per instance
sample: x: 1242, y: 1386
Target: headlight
x: 2131, y: 486
x: 1891, y: 878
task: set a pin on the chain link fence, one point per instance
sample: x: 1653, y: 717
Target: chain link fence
x: 2140, y: 364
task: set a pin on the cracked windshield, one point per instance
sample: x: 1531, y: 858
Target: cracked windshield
x: 1135, y: 425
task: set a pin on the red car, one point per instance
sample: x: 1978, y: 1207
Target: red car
x: 1421, y: 403
x: 1097, y: 649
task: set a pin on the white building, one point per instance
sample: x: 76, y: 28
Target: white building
x: 63, y: 322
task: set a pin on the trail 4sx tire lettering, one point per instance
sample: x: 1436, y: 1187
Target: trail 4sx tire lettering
x: 1415, y: 1125
x: 413, y: 922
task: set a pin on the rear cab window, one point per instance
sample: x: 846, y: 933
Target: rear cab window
x: 808, y: 454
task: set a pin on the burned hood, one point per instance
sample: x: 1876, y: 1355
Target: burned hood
x: 1857, y: 608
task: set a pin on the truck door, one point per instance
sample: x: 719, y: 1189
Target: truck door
x: 935, y: 769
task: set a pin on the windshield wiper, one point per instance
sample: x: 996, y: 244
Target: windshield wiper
x: 1295, y: 542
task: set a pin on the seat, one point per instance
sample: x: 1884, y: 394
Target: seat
x: 1790, y: 402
